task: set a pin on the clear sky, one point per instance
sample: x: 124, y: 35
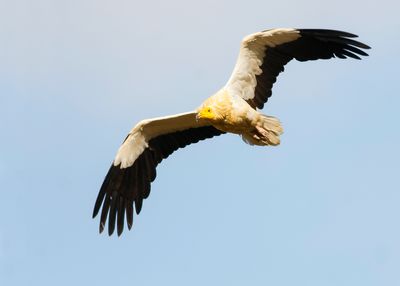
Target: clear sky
x: 320, y: 209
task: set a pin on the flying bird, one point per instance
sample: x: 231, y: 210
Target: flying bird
x: 233, y: 109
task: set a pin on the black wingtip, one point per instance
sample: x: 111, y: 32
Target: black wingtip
x: 119, y: 232
x: 327, y: 32
x: 129, y: 215
x: 138, y: 205
x: 101, y: 227
x: 112, y: 213
x: 366, y: 47
x: 355, y: 43
x: 120, y: 216
x: 104, y: 212
x: 336, y: 36
x: 130, y: 226
x: 98, y: 203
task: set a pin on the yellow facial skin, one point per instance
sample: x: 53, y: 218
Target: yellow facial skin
x: 206, y: 112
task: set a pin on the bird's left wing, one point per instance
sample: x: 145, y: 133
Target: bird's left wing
x: 263, y: 56
x: 128, y: 180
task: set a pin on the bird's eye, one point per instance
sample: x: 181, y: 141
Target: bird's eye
x: 209, y: 110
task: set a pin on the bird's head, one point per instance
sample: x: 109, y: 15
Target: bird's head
x: 210, y: 113
x: 212, y: 110
x: 206, y: 112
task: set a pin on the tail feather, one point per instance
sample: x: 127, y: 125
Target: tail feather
x: 266, y: 132
x: 272, y: 124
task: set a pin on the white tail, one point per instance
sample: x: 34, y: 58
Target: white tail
x: 266, y: 132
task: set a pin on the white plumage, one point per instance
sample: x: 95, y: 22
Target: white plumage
x: 252, y: 51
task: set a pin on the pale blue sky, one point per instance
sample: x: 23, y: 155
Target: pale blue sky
x: 321, y: 209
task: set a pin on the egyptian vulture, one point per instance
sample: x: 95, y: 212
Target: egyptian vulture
x: 233, y: 109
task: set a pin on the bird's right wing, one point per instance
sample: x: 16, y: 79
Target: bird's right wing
x: 263, y: 56
x: 128, y: 180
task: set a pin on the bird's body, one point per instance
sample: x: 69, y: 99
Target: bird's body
x: 233, y: 109
x: 232, y: 114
